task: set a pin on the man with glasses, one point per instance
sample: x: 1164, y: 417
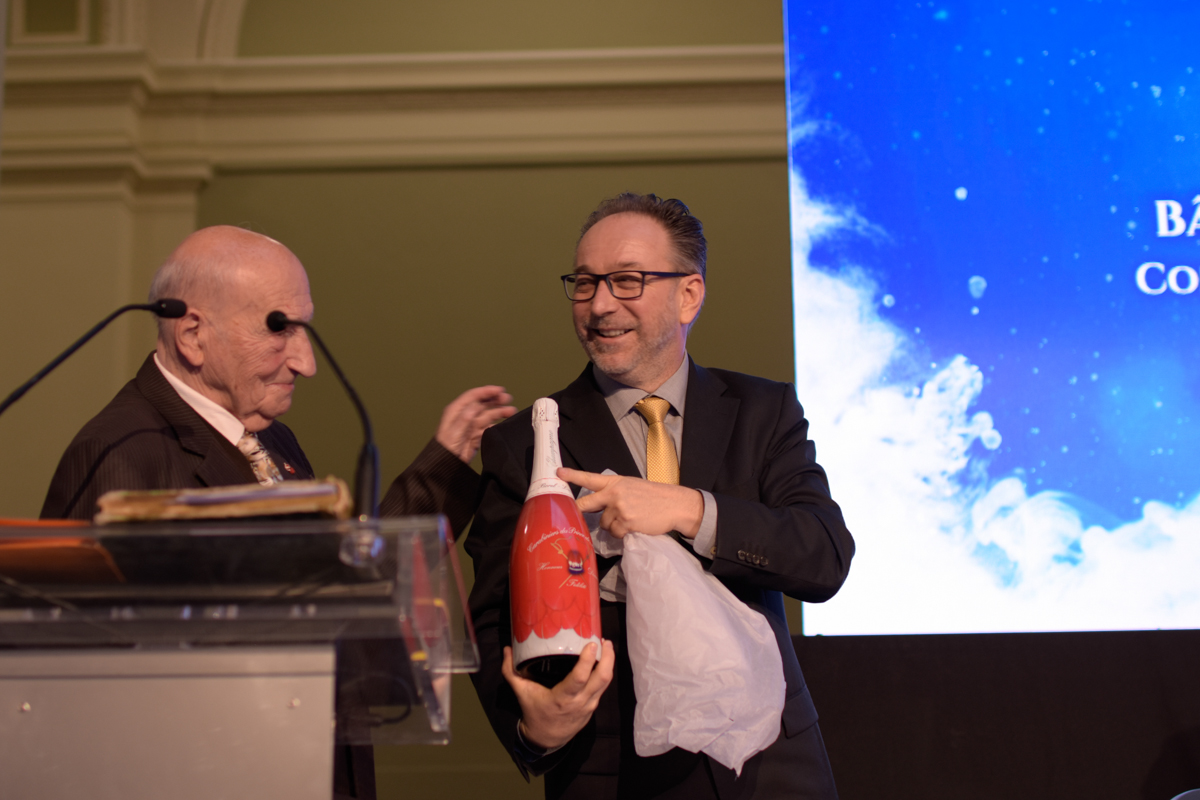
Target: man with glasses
x: 720, y: 459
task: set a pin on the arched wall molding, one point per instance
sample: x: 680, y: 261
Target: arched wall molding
x: 173, y: 30
x: 221, y: 29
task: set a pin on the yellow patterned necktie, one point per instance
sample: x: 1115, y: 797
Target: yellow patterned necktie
x: 260, y: 460
x: 662, y: 465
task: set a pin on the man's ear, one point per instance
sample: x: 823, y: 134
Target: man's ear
x: 691, y: 292
x: 189, y: 338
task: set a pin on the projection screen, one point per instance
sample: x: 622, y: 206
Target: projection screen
x: 996, y: 287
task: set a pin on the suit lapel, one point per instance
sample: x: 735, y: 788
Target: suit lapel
x: 590, y: 438
x: 223, y: 464
x: 708, y: 423
x: 587, y: 434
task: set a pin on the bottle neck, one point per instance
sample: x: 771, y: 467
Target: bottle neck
x: 546, y: 461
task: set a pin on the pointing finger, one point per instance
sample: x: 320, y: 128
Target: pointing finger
x: 588, y: 480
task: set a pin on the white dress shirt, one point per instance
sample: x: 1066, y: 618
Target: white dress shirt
x: 220, y: 418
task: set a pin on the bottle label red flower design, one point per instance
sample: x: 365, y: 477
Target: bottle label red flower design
x: 553, y: 580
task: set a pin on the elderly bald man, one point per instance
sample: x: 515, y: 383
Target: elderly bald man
x: 204, y: 404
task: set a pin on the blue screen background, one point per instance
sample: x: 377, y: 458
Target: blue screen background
x: 1003, y: 163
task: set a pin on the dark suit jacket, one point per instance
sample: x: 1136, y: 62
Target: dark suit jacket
x: 148, y: 437
x: 745, y: 439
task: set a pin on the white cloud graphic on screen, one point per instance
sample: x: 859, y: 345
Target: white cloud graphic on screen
x: 943, y: 548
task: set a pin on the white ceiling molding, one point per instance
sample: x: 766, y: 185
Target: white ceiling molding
x: 75, y: 109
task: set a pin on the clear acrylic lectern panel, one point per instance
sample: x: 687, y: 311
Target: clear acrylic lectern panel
x: 385, y: 595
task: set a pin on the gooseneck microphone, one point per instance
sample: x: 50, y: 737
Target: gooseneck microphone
x: 366, y: 477
x: 166, y: 308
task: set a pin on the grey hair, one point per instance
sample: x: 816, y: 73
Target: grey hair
x: 187, y: 276
x: 177, y: 277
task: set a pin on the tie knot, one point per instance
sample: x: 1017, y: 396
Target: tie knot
x: 261, y: 464
x: 249, y: 444
x: 653, y: 409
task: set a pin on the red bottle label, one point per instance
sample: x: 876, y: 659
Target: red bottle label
x: 553, y: 580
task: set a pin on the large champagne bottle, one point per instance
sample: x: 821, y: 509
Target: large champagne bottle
x: 554, y: 584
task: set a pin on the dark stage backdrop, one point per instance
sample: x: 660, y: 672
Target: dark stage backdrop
x: 1026, y: 716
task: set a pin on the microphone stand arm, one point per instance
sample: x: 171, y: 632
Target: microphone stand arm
x: 366, y: 477
x: 46, y: 370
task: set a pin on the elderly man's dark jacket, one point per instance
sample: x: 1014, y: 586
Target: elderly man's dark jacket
x: 149, y: 438
x: 745, y: 439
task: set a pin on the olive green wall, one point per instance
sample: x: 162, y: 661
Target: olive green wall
x: 311, y: 27
x: 51, y: 16
x: 54, y: 17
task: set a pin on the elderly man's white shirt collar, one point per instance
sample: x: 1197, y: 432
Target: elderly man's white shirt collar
x: 621, y: 398
x: 220, y: 418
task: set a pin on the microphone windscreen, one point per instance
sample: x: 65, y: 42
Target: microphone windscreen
x: 169, y: 308
x: 277, y: 321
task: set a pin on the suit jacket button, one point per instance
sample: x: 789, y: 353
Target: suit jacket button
x: 741, y: 555
x: 758, y: 560
x: 764, y: 561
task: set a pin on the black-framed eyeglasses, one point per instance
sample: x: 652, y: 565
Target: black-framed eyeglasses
x: 624, y: 285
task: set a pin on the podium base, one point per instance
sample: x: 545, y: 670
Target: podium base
x: 203, y: 724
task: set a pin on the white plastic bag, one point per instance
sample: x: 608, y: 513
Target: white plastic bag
x: 706, y: 667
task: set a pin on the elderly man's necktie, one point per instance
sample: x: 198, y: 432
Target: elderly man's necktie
x: 260, y: 460
x: 662, y: 465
